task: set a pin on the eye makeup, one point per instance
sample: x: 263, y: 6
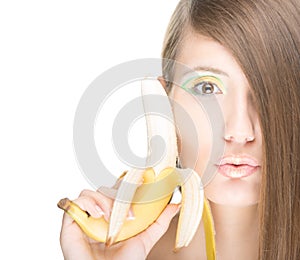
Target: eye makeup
x: 204, y: 85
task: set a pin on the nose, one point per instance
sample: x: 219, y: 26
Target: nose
x: 239, y: 119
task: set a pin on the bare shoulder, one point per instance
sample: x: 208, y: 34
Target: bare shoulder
x: 164, y: 248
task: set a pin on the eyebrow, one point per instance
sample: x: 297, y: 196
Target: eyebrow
x: 208, y: 69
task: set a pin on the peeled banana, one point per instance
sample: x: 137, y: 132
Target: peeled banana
x: 144, y: 213
x: 150, y: 191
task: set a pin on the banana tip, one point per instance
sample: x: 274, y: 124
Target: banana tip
x: 64, y: 204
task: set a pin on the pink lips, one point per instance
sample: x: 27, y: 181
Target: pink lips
x: 237, y: 166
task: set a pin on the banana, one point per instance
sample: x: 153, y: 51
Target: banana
x: 148, y: 191
x: 144, y: 213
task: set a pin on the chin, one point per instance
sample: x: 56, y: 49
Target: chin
x: 234, y: 192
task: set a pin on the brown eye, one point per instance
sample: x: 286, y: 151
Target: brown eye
x: 206, y: 88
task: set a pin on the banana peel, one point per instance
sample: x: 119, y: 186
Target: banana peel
x: 148, y: 191
x: 209, y: 231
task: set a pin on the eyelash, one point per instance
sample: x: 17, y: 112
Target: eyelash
x: 204, y: 82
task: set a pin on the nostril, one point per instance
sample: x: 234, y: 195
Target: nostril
x: 250, y: 138
x: 231, y: 138
x: 228, y: 137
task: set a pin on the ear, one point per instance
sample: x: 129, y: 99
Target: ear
x: 162, y: 82
x: 178, y: 144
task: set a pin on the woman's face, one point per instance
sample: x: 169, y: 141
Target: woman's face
x: 235, y: 174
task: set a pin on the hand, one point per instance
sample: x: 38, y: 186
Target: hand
x: 76, y: 245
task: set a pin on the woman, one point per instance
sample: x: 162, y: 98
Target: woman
x: 247, y: 55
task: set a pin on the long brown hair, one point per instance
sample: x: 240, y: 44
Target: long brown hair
x: 264, y: 38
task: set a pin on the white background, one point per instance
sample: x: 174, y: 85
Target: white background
x: 50, y: 51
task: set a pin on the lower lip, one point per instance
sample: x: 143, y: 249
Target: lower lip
x: 236, y: 172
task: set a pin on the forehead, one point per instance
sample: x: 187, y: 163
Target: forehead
x: 197, y: 51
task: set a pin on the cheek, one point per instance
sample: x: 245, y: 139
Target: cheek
x: 194, y: 132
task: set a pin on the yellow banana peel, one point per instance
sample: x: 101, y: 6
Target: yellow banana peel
x: 209, y: 231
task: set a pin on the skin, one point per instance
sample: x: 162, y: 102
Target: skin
x: 233, y: 202
x: 240, y: 122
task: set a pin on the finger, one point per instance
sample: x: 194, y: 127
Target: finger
x: 104, y: 202
x: 112, y: 193
x: 66, y: 220
x: 91, y: 206
x: 70, y: 230
x: 152, y: 234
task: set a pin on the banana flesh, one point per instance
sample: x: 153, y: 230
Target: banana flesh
x: 150, y: 191
x: 158, y: 125
x: 191, y: 185
x: 120, y: 207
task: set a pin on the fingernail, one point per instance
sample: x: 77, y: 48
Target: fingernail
x: 130, y: 215
x: 99, y: 211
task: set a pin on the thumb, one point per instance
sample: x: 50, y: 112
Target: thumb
x: 154, y: 232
